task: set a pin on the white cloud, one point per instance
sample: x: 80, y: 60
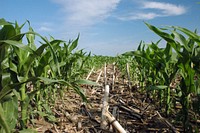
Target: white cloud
x: 166, y: 8
x: 86, y: 12
x: 140, y: 15
x: 43, y: 28
x: 150, y: 10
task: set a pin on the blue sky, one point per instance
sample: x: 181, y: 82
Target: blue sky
x: 106, y: 27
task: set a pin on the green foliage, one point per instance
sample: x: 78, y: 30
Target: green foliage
x: 27, y: 131
x: 157, y: 68
x: 32, y: 74
x: 10, y: 112
x: 185, y: 49
x: 29, y: 73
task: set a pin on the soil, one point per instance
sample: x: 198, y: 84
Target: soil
x: 132, y: 109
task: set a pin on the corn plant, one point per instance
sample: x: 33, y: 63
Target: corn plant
x: 160, y: 66
x: 137, y: 65
x: 98, y: 61
x: 8, y: 40
x: 155, y: 70
x: 27, y: 73
x: 187, y: 57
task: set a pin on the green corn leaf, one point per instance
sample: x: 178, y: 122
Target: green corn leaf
x: 56, y: 42
x: 7, y: 32
x: 129, y: 53
x: 182, y: 40
x: 49, y: 113
x: 158, y: 87
x: 191, y: 34
x: 50, y: 81
x: 32, y: 57
x: 43, y: 64
x: 31, y: 38
x: 180, y: 37
x: 79, y: 91
x: 5, y: 79
x: 28, y: 131
x: 52, y: 52
x: 4, y: 22
x: 10, y: 107
x: 139, y: 47
x: 17, y: 44
x: 168, y: 51
x: 50, y: 117
x: 40, y: 50
x: 17, y: 37
x: 164, y: 35
x: 86, y: 82
x: 3, y: 122
x: 74, y: 44
x: 18, y: 28
x: 7, y: 89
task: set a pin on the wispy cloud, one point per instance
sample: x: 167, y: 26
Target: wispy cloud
x: 140, y: 15
x: 167, y: 9
x: 150, y: 10
x: 87, y: 12
x: 45, y: 27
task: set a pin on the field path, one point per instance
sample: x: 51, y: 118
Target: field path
x: 132, y: 110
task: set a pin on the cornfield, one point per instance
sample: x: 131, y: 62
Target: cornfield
x: 33, y: 76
